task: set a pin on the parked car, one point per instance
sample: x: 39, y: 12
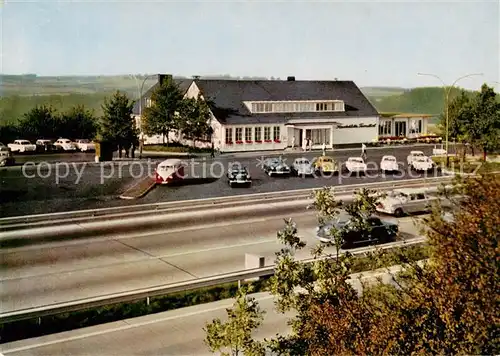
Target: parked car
x: 302, y: 167
x: 379, y: 231
x: 6, y: 158
x: 355, y: 165
x: 389, y: 164
x: 406, y: 200
x: 438, y: 150
x: 422, y: 164
x: 237, y: 175
x: 44, y: 145
x: 413, y: 156
x: 325, y: 164
x: 22, y: 146
x: 85, y: 145
x: 276, y: 166
x: 65, y: 144
x: 169, y: 171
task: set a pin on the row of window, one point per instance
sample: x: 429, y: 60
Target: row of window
x: 385, y: 128
x: 297, y: 107
x: 252, y: 134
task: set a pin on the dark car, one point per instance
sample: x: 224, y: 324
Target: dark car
x: 43, y: 145
x: 276, y: 166
x: 238, y: 176
x: 379, y: 231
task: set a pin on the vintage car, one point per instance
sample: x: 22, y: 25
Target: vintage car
x: 355, y: 165
x: 422, y: 164
x: 325, y: 164
x: 389, y: 164
x: 6, y: 158
x: 169, y: 171
x: 22, y: 146
x: 406, y: 200
x: 276, y: 166
x: 413, y: 156
x: 302, y: 167
x: 438, y: 150
x: 85, y: 145
x: 65, y: 144
x: 379, y: 231
x: 44, y: 145
x: 237, y: 175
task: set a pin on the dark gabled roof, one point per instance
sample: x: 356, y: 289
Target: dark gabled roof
x: 228, y: 97
x: 183, y: 84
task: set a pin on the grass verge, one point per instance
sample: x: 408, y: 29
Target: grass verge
x: 69, y: 321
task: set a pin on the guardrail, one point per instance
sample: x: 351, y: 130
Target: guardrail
x: 146, y: 293
x: 20, y: 222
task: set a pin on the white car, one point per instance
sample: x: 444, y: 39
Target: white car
x: 402, y: 201
x: 85, y: 145
x: 414, y: 155
x: 22, y: 146
x: 65, y: 144
x: 355, y: 165
x: 422, y: 164
x: 389, y: 164
x: 438, y: 151
x: 302, y: 167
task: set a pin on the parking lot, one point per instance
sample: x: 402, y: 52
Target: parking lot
x: 45, y: 188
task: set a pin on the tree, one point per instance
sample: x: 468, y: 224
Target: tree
x: 447, y: 305
x: 483, y: 120
x: 78, y: 122
x: 162, y: 116
x: 39, y: 122
x: 456, y: 125
x: 236, y: 333
x: 195, y: 119
x: 116, y: 125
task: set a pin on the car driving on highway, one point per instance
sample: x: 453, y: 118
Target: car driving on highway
x: 378, y: 231
x: 237, y: 175
x: 302, y: 167
x: 406, y: 200
x: 276, y: 166
x: 389, y: 164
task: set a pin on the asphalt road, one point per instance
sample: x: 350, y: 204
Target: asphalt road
x: 173, y: 333
x: 44, y: 274
x: 63, y: 186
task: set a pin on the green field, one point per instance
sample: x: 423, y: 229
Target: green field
x: 20, y: 93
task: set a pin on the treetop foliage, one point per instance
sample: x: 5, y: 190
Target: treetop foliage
x: 447, y: 304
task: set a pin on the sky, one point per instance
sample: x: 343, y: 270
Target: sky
x: 374, y: 43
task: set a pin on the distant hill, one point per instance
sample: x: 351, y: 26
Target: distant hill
x: 428, y: 100
x: 20, y: 93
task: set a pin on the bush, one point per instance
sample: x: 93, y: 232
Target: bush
x: 176, y: 147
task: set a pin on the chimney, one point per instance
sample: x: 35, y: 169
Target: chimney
x: 290, y: 79
x: 163, y: 78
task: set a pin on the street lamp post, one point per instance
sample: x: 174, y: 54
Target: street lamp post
x: 140, y: 89
x: 447, y: 91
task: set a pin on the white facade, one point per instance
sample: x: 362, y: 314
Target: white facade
x: 409, y: 126
x: 253, y: 137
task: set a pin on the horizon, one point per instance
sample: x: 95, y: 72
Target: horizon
x: 367, y: 42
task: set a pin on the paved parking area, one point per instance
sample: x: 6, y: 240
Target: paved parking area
x: 45, y: 188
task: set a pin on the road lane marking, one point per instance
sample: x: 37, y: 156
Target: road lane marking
x: 308, y: 235
x: 129, y: 326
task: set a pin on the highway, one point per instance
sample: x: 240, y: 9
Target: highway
x: 173, y: 333
x: 44, y: 274
x: 50, y: 188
